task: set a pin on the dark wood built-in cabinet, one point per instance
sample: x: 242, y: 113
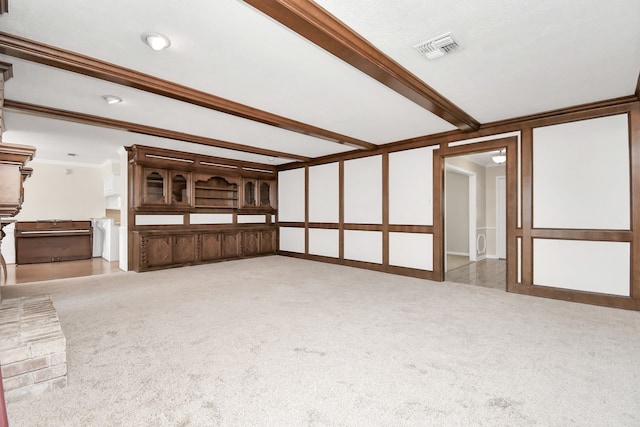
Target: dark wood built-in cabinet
x: 167, y: 183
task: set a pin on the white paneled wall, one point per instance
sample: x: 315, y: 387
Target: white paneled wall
x: 411, y: 187
x: 324, y: 193
x: 581, y: 174
x: 291, y: 195
x: 363, y: 190
x: 292, y: 239
x: 324, y: 242
x: 602, y: 267
x: 363, y: 246
x: 411, y: 250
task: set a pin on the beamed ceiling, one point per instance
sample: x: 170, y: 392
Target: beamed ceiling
x: 279, y: 81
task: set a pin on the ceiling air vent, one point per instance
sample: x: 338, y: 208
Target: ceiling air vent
x: 438, y: 47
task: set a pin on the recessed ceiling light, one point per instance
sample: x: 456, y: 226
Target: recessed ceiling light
x: 156, y: 41
x: 111, y: 99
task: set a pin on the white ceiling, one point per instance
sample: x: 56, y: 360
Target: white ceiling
x: 517, y: 58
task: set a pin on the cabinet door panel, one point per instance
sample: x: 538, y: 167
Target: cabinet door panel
x: 230, y: 245
x: 184, y: 249
x: 211, y: 246
x: 268, y: 241
x: 250, y: 243
x: 159, y: 251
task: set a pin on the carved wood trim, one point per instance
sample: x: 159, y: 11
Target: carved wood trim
x: 66, y: 60
x: 320, y: 27
x: 76, y: 117
x: 6, y: 69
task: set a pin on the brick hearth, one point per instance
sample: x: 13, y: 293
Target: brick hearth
x: 32, y: 347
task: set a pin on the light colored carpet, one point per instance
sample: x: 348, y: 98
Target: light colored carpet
x: 278, y: 341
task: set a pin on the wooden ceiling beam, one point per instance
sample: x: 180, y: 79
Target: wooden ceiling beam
x: 66, y: 60
x: 320, y: 27
x: 87, y: 119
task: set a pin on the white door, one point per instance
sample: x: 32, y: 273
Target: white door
x: 501, y: 217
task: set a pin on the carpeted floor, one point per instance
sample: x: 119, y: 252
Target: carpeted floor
x: 278, y: 341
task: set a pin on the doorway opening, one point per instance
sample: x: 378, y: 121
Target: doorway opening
x: 474, y: 216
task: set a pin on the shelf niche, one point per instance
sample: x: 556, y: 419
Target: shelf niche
x: 216, y: 192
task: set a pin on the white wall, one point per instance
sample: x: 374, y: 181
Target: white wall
x: 581, y: 175
x: 411, y: 187
x: 363, y: 190
x: 323, y: 193
x: 57, y: 191
x: 291, y: 198
x: 490, y: 191
x: 581, y: 181
x: 457, y: 211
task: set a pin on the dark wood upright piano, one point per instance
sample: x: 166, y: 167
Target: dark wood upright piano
x: 52, y: 241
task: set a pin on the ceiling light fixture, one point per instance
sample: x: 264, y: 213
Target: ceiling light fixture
x: 500, y: 157
x: 111, y: 99
x: 156, y: 41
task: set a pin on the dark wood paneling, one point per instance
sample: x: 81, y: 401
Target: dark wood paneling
x: 306, y: 210
x: 320, y: 27
x: 292, y: 224
x: 66, y: 60
x: 325, y: 225
x: 72, y: 116
x: 401, y: 271
x: 634, y: 143
x: 526, y: 165
x: 438, y: 215
x: 422, y: 229
x: 341, y: 209
x: 385, y: 208
x: 364, y: 227
x: 393, y: 228
x: 570, y: 234
x: 581, y: 297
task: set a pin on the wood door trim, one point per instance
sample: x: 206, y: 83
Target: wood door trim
x: 66, y: 60
x: 511, y: 145
x: 320, y: 27
x: 72, y: 116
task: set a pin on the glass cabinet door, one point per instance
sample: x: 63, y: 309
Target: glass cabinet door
x: 249, y: 193
x: 180, y: 188
x: 265, y: 194
x: 154, y: 191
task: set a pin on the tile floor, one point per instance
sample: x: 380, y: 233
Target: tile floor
x: 490, y: 273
